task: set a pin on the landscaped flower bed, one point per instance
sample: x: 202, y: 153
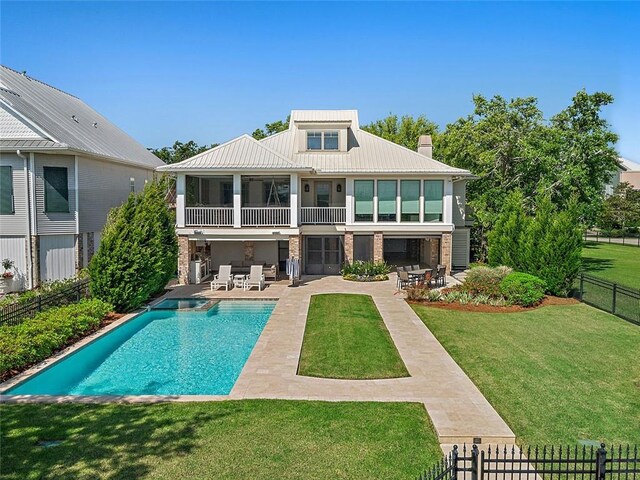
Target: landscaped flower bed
x: 360, y: 271
x: 39, y: 337
x: 498, y: 287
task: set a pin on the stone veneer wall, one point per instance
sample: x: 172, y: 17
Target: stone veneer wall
x: 295, y: 246
x: 248, y: 251
x: 91, y: 246
x: 378, y: 247
x: 185, y: 249
x: 445, y: 252
x: 79, y: 251
x: 348, y: 247
x: 35, y: 260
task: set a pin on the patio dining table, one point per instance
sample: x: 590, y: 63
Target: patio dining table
x: 420, y: 274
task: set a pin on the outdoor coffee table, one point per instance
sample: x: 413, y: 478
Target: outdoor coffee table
x: 238, y: 280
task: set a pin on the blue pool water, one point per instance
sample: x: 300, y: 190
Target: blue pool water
x: 161, y: 352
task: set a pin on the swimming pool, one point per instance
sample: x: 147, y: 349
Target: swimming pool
x: 161, y: 352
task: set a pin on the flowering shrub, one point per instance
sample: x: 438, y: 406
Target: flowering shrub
x: 482, y: 280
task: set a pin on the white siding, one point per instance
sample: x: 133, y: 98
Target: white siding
x: 14, y: 248
x: 55, y: 223
x: 460, y: 248
x: 57, y: 257
x: 102, y: 186
x: 16, y: 223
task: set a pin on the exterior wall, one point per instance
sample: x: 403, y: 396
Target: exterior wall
x: 185, y: 249
x: 378, y: 247
x: 309, y: 198
x: 459, y: 202
x: 631, y: 177
x: 15, y: 248
x: 295, y: 246
x: 348, y: 248
x: 445, y: 251
x: 103, y: 185
x: 57, y: 257
x: 460, y: 248
x: 16, y: 223
x: 35, y: 260
x: 79, y: 252
x: 55, y: 223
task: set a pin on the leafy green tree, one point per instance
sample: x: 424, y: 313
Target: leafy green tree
x: 405, y: 130
x: 180, y: 151
x: 507, y: 236
x: 271, y: 129
x: 138, y: 252
x: 622, y: 209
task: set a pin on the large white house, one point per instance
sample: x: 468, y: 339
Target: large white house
x: 62, y: 167
x: 324, y: 191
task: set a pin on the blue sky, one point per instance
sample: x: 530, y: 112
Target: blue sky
x: 210, y: 71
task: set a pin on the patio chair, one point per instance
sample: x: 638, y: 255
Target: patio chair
x: 255, y: 278
x: 403, y: 280
x: 441, y: 276
x: 415, y: 267
x: 428, y: 276
x: 271, y: 273
x: 223, y: 278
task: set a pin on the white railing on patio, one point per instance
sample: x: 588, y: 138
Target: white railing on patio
x: 209, y: 216
x: 323, y: 215
x: 266, y: 216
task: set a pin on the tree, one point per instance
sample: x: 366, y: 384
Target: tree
x: 622, y: 209
x: 180, y: 151
x: 138, y: 252
x: 271, y: 129
x: 404, y: 130
x: 508, y: 234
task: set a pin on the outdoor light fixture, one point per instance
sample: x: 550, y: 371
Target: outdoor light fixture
x: 339, y: 188
x: 306, y: 188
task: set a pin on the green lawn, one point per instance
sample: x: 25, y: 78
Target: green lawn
x: 616, y: 263
x: 557, y: 374
x: 267, y: 439
x: 345, y: 337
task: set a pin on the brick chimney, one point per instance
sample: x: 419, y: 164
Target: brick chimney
x: 425, y: 147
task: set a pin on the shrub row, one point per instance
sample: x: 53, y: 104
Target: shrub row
x: 360, y: 269
x: 39, y: 337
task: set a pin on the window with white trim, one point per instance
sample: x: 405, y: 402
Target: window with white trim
x: 320, y: 140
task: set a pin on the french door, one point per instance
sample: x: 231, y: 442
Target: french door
x: 323, y: 255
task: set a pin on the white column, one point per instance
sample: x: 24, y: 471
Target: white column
x: 348, y: 197
x: 447, y: 201
x: 293, y: 179
x: 398, y: 201
x: 180, y: 199
x: 421, y: 200
x: 76, y: 193
x: 237, y: 200
x: 375, y: 201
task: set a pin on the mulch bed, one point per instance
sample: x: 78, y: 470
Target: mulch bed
x: 108, y: 319
x: 548, y: 300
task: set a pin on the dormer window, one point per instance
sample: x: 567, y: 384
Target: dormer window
x: 322, y: 140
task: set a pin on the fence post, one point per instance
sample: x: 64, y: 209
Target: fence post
x: 581, y: 285
x: 474, y: 462
x: 454, y: 463
x: 613, y: 303
x: 601, y: 462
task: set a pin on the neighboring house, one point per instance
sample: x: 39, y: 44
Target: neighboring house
x: 324, y: 191
x: 630, y: 173
x: 62, y: 167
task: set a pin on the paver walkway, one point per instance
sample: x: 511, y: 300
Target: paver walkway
x: 457, y: 409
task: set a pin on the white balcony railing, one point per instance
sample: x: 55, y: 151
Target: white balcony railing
x: 323, y: 215
x: 208, y: 216
x: 266, y: 216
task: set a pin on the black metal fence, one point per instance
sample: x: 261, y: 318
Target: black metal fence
x: 565, y: 463
x: 15, y: 313
x: 611, y: 297
x: 605, y: 237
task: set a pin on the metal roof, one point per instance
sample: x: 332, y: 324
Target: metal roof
x: 11, y: 144
x: 67, y: 120
x: 366, y: 153
x: 324, y: 116
x: 14, y: 128
x: 628, y: 165
x: 241, y: 153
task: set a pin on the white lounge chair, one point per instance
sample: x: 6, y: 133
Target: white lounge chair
x: 223, y: 278
x: 255, y: 278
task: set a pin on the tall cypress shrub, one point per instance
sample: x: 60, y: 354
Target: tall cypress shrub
x: 506, y: 237
x: 138, y: 252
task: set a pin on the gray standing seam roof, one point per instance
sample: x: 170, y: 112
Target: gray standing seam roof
x: 69, y: 121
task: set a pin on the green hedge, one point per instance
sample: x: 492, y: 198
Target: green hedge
x: 522, y: 289
x: 39, y: 337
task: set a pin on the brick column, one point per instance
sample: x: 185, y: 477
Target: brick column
x: 91, y: 246
x: 378, y: 247
x: 295, y: 246
x: 248, y: 251
x: 79, y: 251
x: 348, y: 247
x: 35, y: 260
x: 445, y: 251
x: 185, y: 249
